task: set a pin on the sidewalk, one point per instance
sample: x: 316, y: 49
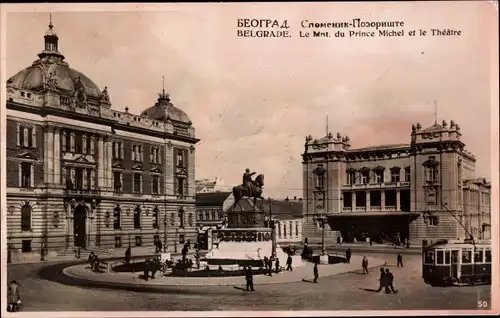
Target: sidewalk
x: 365, y: 247
x: 116, y: 253
x: 304, y: 272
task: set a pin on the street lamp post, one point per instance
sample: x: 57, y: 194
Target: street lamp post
x: 322, y: 221
x: 273, y: 228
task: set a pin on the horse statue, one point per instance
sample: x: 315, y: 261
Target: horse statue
x: 253, y: 190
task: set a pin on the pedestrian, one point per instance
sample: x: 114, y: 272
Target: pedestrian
x: 364, y: 264
x: 400, y: 259
x: 338, y: 240
x: 315, y: 270
x: 13, y: 297
x: 91, y: 259
x: 277, y: 264
x: 371, y: 242
x: 390, y: 282
x: 289, y: 263
x: 128, y: 254
x: 269, y: 267
x: 146, y: 270
x: 348, y: 255
x: 153, y: 267
x: 249, y: 278
x: 381, y: 280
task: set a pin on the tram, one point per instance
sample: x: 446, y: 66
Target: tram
x: 450, y: 263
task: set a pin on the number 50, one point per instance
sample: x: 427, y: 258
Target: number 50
x: 482, y: 304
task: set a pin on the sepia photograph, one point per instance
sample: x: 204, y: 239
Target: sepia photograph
x: 306, y: 158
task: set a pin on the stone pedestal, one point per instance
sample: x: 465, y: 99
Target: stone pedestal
x: 323, y: 259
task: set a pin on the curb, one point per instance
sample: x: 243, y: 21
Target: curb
x: 233, y: 281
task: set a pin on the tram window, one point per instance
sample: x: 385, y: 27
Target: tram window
x: 466, y: 257
x: 447, y: 257
x: 429, y: 258
x: 487, y: 256
x: 454, y: 257
x: 478, y: 256
x: 439, y: 257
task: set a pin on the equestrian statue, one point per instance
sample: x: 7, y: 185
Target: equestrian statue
x: 249, y: 188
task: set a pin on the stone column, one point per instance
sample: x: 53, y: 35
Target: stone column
x: 50, y: 154
x: 109, y: 165
x: 57, y: 157
x: 382, y: 200
x: 45, y: 157
x: 100, y: 163
x: 368, y: 204
x: 353, y: 201
x: 69, y: 230
x: 398, y: 200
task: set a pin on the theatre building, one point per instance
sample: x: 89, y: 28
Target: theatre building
x: 422, y: 191
x: 81, y: 174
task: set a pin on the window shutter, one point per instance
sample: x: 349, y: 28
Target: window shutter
x: 32, y: 175
x: 92, y: 179
x: 25, y: 137
x: 84, y: 144
x: 72, y: 141
x: 73, y: 175
x: 92, y: 145
x: 33, y: 137
x: 64, y: 141
x: 18, y: 133
x: 20, y: 175
x: 84, y: 177
x: 140, y: 180
x: 122, y: 151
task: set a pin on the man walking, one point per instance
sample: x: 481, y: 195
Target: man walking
x: 249, y: 278
x: 381, y: 280
x: 348, y: 255
x: 289, y: 263
x: 364, y: 264
x: 400, y: 259
x: 315, y: 270
x: 390, y: 280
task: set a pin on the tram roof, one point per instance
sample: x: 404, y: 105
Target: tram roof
x: 459, y: 243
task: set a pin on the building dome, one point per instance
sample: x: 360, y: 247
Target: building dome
x: 163, y: 109
x: 51, y: 71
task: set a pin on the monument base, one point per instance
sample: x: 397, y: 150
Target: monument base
x: 323, y: 259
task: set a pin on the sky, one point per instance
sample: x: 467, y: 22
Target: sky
x: 253, y: 101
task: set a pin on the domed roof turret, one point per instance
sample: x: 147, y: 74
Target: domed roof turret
x: 163, y: 109
x: 50, y: 71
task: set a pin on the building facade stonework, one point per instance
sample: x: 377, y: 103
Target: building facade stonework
x: 80, y: 174
x: 421, y: 192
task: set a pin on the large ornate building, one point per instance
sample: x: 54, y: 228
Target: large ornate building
x: 80, y: 174
x: 422, y: 191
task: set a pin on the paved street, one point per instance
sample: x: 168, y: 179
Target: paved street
x: 342, y: 292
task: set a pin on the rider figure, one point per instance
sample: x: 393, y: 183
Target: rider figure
x: 247, y: 179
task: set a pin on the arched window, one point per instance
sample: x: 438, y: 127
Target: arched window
x: 26, y: 218
x: 181, y: 217
x: 116, y: 218
x: 137, y: 218
x: 156, y: 216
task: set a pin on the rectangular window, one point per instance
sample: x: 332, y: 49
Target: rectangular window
x: 487, y: 256
x: 26, y: 136
x: 117, y: 179
x: 180, y: 161
x: 466, y: 257
x: 379, y: 177
x: 439, y: 257
x: 478, y: 256
x: 118, y: 241
x: 213, y: 216
x: 139, y: 153
x: 26, y: 178
x: 351, y: 177
x: 181, y: 239
x: 365, y: 177
x: 296, y: 228
x: 407, y: 174
x: 156, y: 184
x: 429, y: 258
x: 447, y: 257
x: 431, y: 174
x: 434, y: 220
x: 180, y: 186
x: 26, y: 246
x: 138, y: 240
x: 137, y: 182
x: 134, y: 153
x: 395, y: 176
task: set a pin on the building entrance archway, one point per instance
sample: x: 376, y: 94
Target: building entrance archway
x: 79, y: 226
